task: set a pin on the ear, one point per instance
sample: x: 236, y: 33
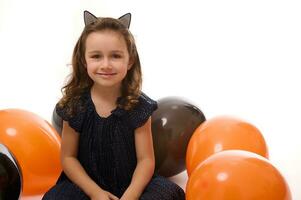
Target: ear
x: 126, y: 19
x: 89, y: 17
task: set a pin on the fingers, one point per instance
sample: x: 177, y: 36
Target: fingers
x: 113, y: 197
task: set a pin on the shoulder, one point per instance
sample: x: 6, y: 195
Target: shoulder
x: 75, y: 116
x: 145, y: 100
x: 73, y: 105
x: 142, y: 111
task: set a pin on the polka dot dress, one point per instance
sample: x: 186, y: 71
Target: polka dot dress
x: 107, y: 152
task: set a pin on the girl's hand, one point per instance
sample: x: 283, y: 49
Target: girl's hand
x: 128, y: 196
x: 103, y: 195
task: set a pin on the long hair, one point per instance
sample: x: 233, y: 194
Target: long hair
x: 79, y: 80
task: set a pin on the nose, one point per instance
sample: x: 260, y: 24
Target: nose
x: 106, y: 65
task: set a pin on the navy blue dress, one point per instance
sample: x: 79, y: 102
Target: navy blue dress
x: 107, y: 152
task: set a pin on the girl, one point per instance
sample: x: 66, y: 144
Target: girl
x: 107, y: 151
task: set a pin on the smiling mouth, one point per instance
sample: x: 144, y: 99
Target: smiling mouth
x: 106, y: 74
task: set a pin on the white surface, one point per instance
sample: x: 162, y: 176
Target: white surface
x: 239, y: 58
x: 180, y: 179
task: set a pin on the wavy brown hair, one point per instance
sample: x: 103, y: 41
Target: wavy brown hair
x: 79, y: 80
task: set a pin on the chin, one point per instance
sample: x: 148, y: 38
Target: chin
x: 108, y: 84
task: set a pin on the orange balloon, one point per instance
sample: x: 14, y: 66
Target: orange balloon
x: 36, y: 146
x: 236, y: 175
x: 223, y: 133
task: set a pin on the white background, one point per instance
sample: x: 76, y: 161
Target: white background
x: 239, y: 58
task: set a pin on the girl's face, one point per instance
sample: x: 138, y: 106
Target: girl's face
x: 107, y: 58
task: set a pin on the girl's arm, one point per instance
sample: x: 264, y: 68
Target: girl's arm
x: 145, y: 162
x: 72, y: 167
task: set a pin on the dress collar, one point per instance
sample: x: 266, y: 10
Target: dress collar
x: 118, y: 111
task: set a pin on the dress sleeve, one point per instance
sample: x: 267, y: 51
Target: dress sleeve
x: 143, y: 110
x: 75, y: 122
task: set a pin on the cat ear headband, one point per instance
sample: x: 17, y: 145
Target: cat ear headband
x: 124, y: 19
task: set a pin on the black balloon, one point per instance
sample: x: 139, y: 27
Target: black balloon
x: 10, y: 176
x: 173, y: 124
x: 57, y: 122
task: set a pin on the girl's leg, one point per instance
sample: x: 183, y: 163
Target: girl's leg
x: 163, y: 189
x: 65, y: 190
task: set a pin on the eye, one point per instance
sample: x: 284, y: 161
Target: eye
x: 117, y: 56
x: 96, y: 56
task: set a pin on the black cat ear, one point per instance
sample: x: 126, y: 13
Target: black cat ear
x: 89, y: 17
x: 126, y: 19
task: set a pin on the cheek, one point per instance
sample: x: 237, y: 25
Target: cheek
x: 90, y: 74
x: 125, y: 72
x: 90, y: 69
x: 91, y: 66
